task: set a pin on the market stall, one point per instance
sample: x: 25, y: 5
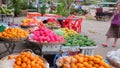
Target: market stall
x: 11, y: 36
x: 43, y: 40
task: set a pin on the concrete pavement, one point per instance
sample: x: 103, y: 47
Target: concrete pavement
x: 96, y: 30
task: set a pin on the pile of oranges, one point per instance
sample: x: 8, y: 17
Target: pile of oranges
x: 14, y: 33
x: 28, y: 60
x: 82, y: 61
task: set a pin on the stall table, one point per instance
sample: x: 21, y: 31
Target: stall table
x: 44, y: 49
x: 6, y: 18
x: 9, y: 46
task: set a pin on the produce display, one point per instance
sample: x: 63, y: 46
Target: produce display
x: 28, y: 22
x: 6, y: 11
x: 45, y: 35
x: 13, y: 33
x: 23, y: 60
x: 28, y: 60
x: 80, y: 40
x: 74, y: 39
x: 68, y: 32
x: 81, y: 61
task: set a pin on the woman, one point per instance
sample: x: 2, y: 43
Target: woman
x: 114, y: 30
x: 99, y: 11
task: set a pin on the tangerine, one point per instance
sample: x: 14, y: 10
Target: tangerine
x: 23, y: 65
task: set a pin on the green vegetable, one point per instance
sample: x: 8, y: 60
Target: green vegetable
x: 81, y: 40
x: 59, y: 32
x: 5, y: 11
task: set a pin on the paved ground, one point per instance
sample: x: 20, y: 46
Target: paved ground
x: 95, y: 30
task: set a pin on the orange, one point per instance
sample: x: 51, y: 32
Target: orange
x: 25, y: 59
x: 80, y: 60
x: 28, y: 61
x: 83, y: 67
x: 73, y: 65
x: 23, y: 65
x: 18, y: 63
x: 101, y: 67
x: 91, y: 62
x: 14, y: 65
x: 32, y: 58
x: 106, y: 65
x: 89, y: 66
x: 93, y: 67
x: 73, y: 60
x: 85, y: 59
x: 85, y: 64
x: 42, y: 65
x: 18, y: 59
x: 27, y: 55
x: 101, y: 63
x: 79, y: 65
x: 96, y: 65
x: 96, y: 60
x: 67, y: 59
x: 29, y: 66
x: 10, y: 57
x: 90, y: 58
x: 33, y: 67
x: 37, y: 65
x: 98, y: 56
x: 32, y: 63
x: 66, y: 66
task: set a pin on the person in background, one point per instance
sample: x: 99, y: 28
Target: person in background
x: 114, y: 30
x: 77, y: 6
x: 48, y: 7
x: 99, y: 11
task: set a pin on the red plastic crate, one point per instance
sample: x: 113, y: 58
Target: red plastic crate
x: 75, y: 25
x: 33, y: 14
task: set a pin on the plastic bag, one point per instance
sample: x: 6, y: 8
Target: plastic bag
x: 58, y: 56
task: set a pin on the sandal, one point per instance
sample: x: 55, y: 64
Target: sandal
x: 105, y: 45
x: 114, y: 45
